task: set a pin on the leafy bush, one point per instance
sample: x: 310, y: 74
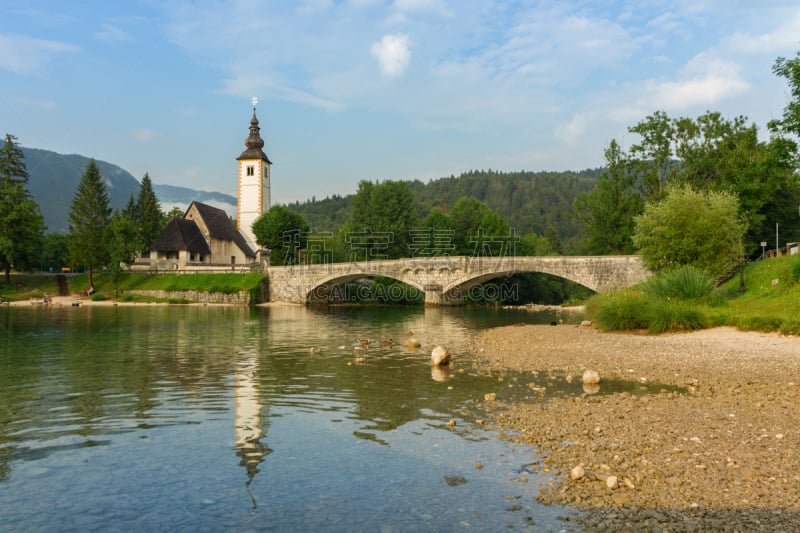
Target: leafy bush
x: 682, y: 283
x: 690, y: 227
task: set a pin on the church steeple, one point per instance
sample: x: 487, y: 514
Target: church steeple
x: 254, y: 180
x: 254, y: 142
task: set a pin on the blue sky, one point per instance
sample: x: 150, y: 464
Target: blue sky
x: 376, y: 89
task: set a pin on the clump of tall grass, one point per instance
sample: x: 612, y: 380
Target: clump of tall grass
x: 675, y: 315
x: 618, y: 311
x: 670, y: 301
x: 683, y: 283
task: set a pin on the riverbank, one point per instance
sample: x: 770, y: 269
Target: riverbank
x: 720, y: 454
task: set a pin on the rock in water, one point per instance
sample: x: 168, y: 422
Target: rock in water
x: 440, y: 356
x: 412, y: 342
x: 591, y: 377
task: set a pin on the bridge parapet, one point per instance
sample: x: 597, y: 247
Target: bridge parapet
x: 444, y: 280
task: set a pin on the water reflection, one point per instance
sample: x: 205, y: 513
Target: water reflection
x: 214, y: 407
x: 249, y: 424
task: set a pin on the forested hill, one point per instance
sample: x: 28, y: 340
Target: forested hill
x: 538, y: 202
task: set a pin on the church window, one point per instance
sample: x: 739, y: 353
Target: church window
x: 250, y: 171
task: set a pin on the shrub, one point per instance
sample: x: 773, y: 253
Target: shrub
x: 618, y: 311
x: 675, y: 316
x: 682, y: 283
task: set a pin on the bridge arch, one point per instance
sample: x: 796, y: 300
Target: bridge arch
x: 441, y: 278
x: 329, y: 290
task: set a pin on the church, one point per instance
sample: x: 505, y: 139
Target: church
x: 205, y: 238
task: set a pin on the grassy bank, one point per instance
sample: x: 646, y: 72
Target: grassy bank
x: 685, y: 300
x: 26, y: 286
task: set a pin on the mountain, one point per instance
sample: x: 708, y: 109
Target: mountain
x: 540, y: 202
x: 54, y: 179
x: 171, y: 196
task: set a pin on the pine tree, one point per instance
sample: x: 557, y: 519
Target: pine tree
x: 123, y: 245
x: 148, y: 214
x: 89, y: 219
x: 21, y: 222
x: 12, y: 161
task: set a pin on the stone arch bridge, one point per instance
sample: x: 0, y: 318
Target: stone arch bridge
x: 445, y: 280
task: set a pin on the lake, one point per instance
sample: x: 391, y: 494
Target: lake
x: 202, y: 418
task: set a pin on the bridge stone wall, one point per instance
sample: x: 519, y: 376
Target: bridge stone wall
x: 444, y: 280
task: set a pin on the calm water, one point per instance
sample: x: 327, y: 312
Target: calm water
x: 235, y: 419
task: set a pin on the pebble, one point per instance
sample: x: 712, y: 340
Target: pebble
x: 711, y: 453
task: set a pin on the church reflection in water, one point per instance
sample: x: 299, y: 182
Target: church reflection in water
x: 249, y: 423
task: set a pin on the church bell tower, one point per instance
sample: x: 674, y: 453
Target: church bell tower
x: 254, y: 185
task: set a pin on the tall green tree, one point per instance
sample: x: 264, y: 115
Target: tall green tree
x: 21, y: 221
x: 122, y: 243
x: 436, y: 237
x: 148, y: 215
x: 703, y: 229
x: 382, y: 217
x: 89, y: 219
x: 284, y: 233
x: 12, y: 161
x: 654, y: 154
x: 789, y: 69
x: 479, y: 230
x: 609, y: 209
x: 54, y: 252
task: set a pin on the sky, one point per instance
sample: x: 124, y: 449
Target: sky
x: 352, y: 90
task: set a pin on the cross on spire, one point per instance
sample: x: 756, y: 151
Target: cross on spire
x: 255, y: 102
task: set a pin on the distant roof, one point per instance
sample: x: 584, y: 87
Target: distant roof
x: 181, y: 234
x: 221, y: 227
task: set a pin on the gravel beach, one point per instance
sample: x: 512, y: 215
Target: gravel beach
x: 719, y: 451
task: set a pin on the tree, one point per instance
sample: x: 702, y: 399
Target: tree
x: 89, y: 218
x: 653, y: 155
x: 283, y: 233
x: 21, y: 222
x: 382, y: 216
x: 12, y: 161
x: 688, y: 227
x: 726, y: 155
x: 790, y: 70
x: 149, y: 219
x: 436, y: 237
x: 479, y: 230
x: 122, y: 244
x: 175, y: 212
x: 54, y: 251
x: 608, y: 210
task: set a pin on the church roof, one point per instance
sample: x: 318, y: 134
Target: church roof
x: 254, y: 142
x: 221, y: 227
x: 181, y: 234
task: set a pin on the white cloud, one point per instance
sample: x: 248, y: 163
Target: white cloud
x: 393, y: 54
x: 708, y: 82
x: 22, y: 54
x: 784, y: 36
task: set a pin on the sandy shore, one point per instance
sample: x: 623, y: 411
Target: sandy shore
x: 722, y: 453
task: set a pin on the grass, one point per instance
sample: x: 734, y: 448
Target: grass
x: 26, y: 286
x: 683, y: 301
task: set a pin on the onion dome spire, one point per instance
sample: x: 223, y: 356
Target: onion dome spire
x: 254, y: 142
